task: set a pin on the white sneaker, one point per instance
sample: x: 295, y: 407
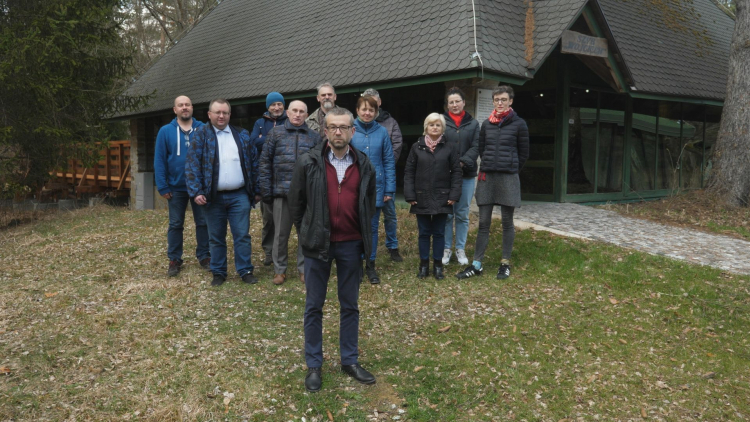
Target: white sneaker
x: 446, y: 256
x: 461, y: 255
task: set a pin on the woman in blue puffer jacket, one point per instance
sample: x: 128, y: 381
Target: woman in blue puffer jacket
x: 373, y: 140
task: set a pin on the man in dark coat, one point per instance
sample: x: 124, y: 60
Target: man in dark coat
x: 284, y: 146
x: 275, y: 116
x: 332, y: 199
x: 221, y: 173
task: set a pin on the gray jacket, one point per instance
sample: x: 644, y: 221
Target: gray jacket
x: 389, y: 123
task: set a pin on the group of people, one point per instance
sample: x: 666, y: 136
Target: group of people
x: 331, y: 175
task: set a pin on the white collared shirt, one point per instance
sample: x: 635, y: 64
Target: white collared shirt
x: 230, y: 168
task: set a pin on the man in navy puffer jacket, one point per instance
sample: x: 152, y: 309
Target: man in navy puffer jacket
x: 275, y: 116
x: 285, y: 144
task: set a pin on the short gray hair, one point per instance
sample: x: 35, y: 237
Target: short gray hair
x: 371, y: 92
x: 340, y: 111
x: 323, y: 85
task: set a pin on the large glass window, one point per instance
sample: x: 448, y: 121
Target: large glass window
x: 643, y: 150
x: 669, y: 146
x: 713, y: 118
x: 595, y: 141
x: 537, y: 107
x: 691, y: 170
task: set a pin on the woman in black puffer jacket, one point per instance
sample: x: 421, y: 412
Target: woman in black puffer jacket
x: 432, y: 184
x: 503, y: 148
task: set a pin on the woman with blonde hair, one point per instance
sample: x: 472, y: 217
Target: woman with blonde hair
x: 432, y: 184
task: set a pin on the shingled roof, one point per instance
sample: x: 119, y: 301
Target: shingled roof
x: 244, y: 49
x: 666, y: 55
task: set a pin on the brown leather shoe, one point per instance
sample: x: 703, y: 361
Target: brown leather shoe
x: 302, y: 277
x: 279, y: 279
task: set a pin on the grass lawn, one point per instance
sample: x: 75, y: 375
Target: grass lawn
x: 92, y: 329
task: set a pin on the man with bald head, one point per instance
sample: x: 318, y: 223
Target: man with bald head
x: 284, y: 144
x: 172, y: 144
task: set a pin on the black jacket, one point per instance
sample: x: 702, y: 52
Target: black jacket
x: 308, y: 201
x: 504, y: 148
x: 284, y: 144
x: 466, y: 135
x: 432, y: 179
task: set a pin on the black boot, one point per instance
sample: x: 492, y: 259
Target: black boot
x: 424, y: 268
x: 437, y: 271
x: 371, y: 273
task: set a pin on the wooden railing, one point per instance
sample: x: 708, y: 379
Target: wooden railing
x: 111, y: 173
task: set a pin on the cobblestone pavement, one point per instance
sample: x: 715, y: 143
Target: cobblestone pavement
x: 693, y: 246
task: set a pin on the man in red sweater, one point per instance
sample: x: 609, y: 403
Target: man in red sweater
x: 332, y: 200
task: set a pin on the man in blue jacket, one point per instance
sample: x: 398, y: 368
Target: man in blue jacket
x: 221, y: 174
x: 275, y: 116
x: 172, y: 145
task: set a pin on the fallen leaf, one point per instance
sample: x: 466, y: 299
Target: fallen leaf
x: 623, y: 341
x: 330, y: 416
x: 709, y: 375
x: 514, y: 328
x: 663, y: 385
x: 4, y: 370
x: 644, y: 415
x: 51, y: 294
x: 418, y: 368
x: 613, y: 301
x: 444, y: 329
x: 710, y: 355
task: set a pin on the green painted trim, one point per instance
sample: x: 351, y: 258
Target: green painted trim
x: 585, y: 197
x: 688, y: 100
x: 562, y: 114
x: 610, y: 57
x: 627, y: 143
x: 596, y: 140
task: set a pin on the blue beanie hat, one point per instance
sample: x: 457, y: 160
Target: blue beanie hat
x: 274, y: 97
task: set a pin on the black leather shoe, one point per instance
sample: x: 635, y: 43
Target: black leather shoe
x: 313, y: 380
x: 218, y: 280
x: 438, y: 272
x: 371, y: 273
x: 395, y: 256
x: 249, y: 278
x: 424, y: 269
x: 268, y: 261
x: 358, y: 373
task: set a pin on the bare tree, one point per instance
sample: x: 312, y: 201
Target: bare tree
x: 730, y: 177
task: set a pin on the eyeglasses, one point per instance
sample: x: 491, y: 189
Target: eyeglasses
x: 336, y: 128
x: 501, y: 100
x: 220, y: 113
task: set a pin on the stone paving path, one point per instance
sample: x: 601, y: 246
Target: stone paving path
x: 586, y: 222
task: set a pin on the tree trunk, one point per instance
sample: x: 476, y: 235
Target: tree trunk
x: 730, y: 177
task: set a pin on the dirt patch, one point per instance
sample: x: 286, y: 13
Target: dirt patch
x: 699, y: 210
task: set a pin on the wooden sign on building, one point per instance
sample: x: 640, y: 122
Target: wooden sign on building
x: 577, y: 43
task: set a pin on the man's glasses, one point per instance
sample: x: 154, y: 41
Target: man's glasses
x: 337, y: 128
x: 500, y: 100
x: 220, y: 113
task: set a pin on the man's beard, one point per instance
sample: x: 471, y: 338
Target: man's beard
x: 327, y: 105
x: 275, y: 115
x: 186, y: 119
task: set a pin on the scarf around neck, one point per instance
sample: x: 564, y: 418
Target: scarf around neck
x: 457, y: 118
x: 496, y: 118
x: 432, y: 144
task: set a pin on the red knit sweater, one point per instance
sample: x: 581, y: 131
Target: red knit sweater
x: 343, y: 203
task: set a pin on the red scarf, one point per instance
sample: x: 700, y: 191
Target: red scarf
x: 432, y: 144
x: 496, y: 117
x: 457, y: 118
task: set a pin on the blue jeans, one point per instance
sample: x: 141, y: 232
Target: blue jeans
x: 390, y: 223
x: 348, y: 256
x: 461, y: 212
x: 431, y: 226
x: 232, y: 207
x: 177, y: 207
x: 375, y: 223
